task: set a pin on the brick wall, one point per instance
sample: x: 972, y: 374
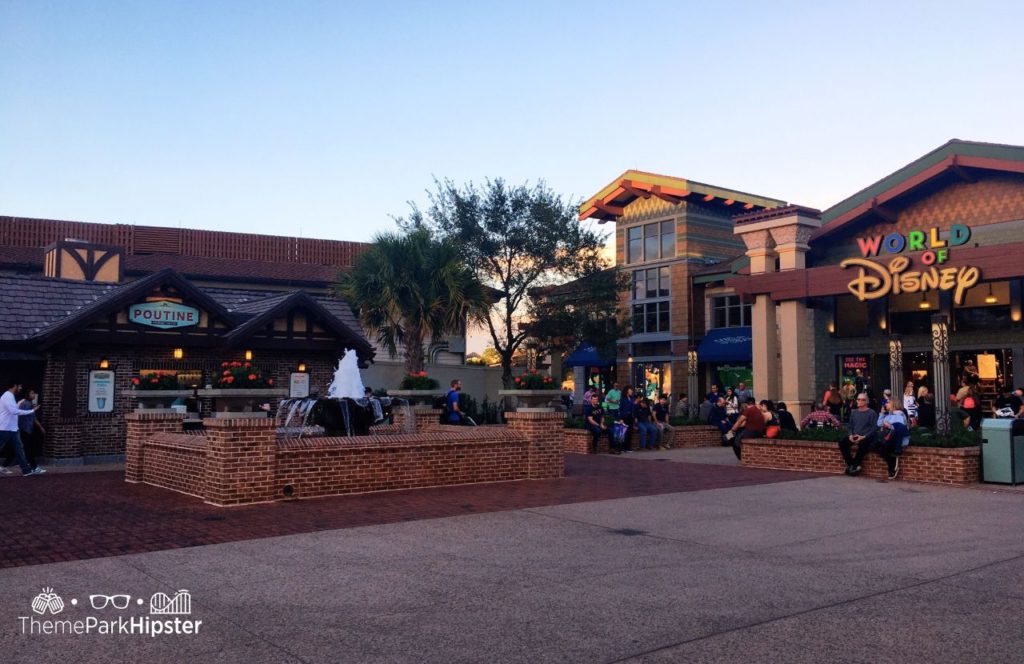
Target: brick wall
x: 696, y: 436
x: 578, y: 441
x: 242, y: 461
x: 920, y: 464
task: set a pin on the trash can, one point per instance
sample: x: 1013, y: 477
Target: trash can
x: 1002, y: 453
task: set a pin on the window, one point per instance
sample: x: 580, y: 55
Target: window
x: 729, y: 311
x: 651, y: 242
x: 651, y: 317
x: 651, y: 284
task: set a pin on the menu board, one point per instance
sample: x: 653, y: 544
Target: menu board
x: 298, y: 386
x: 101, y: 391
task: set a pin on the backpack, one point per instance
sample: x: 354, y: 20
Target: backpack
x: 969, y: 403
x: 833, y: 398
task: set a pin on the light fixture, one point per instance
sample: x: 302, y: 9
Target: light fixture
x: 248, y: 355
x: 179, y: 353
x: 302, y: 367
x: 991, y: 298
x: 104, y: 363
x: 924, y: 304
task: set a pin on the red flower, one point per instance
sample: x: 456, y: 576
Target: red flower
x: 223, y: 365
x: 252, y: 376
x: 154, y: 380
x: 135, y: 381
x: 230, y: 379
x: 270, y: 381
x: 236, y: 364
x: 248, y: 364
x: 227, y: 373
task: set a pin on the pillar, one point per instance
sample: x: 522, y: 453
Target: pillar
x: 940, y: 370
x: 896, y: 367
x: 543, y: 431
x: 693, y: 382
x: 241, y: 460
x: 764, y: 326
x: 140, y: 428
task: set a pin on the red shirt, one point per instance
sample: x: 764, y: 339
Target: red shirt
x: 755, y: 420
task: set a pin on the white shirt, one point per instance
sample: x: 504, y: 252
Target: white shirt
x: 9, y: 412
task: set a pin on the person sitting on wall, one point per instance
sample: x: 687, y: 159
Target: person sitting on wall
x: 594, y: 421
x: 959, y: 417
x: 862, y: 431
x: 704, y: 411
x: 644, y: 422
x: 751, y: 424
x: 713, y: 395
x: 742, y: 393
x: 895, y: 435
x: 720, y: 419
x: 683, y: 405
x: 665, y: 430
x: 820, y: 418
x: 786, y: 421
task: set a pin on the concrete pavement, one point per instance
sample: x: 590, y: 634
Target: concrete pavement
x: 828, y: 569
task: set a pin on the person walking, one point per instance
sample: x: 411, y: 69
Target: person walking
x: 32, y: 430
x: 451, y: 403
x: 862, y: 431
x: 9, y: 414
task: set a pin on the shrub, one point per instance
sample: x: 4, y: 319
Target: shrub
x: 418, y: 381
x: 574, y: 423
x: 683, y: 421
x: 531, y: 380
x: 155, y: 380
x: 242, y: 376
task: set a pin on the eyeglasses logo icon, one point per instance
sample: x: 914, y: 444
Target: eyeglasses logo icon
x: 119, y: 602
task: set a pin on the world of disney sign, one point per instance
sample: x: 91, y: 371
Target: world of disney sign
x: 876, y: 280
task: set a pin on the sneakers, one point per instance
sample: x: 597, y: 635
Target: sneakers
x: 895, y: 469
x: 4, y: 470
x: 854, y: 471
x: 36, y: 471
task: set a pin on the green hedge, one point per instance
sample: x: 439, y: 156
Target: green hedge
x: 918, y: 436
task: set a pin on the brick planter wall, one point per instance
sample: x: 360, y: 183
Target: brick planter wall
x: 242, y: 461
x: 578, y: 441
x: 427, y: 418
x: 919, y: 464
x: 696, y: 436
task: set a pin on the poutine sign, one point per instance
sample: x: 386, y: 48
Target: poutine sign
x: 875, y: 280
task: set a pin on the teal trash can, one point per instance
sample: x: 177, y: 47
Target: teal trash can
x: 1002, y: 453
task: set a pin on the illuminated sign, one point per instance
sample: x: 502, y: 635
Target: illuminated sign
x: 163, y: 314
x: 875, y: 280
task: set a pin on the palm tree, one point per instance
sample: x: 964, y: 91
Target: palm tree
x: 407, y: 288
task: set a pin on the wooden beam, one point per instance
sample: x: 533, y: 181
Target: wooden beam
x: 618, y: 191
x: 639, y: 193
x: 589, y: 212
x: 668, y: 198
x: 728, y: 202
x: 709, y: 198
x: 748, y: 206
x: 614, y: 210
x: 882, y: 212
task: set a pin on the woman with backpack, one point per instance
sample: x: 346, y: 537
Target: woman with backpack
x: 834, y: 400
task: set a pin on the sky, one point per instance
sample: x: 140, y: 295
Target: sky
x: 323, y: 119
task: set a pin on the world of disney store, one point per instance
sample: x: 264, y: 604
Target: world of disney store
x: 916, y: 278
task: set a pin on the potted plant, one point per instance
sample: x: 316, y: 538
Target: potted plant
x: 241, y: 389
x: 155, y: 391
x: 534, y: 391
x: 418, y: 388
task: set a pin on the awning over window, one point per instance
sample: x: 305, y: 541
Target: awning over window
x: 586, y: 356
x: 726, y: 344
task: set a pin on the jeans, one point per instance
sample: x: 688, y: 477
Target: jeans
x: 648, y: 435
x: 862, y: 449
x: 14, y: 439
x: 666, y: 432
x: 737, y: 441
x: 595, y: 438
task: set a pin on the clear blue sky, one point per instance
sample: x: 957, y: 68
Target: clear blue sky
x: 325, y: 118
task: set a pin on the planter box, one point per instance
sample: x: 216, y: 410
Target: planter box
x: 418, y: 397
x: 535, y: 400
x: 578, y: 441
x: 241, y: 403
x: 156, y: 401
x: 937, y: 465
x: 696, y: 436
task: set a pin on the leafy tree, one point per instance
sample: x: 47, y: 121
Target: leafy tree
x: 514, y: 238
x: 490, y: 356
x: 584, y: 310
x: 408, y: 288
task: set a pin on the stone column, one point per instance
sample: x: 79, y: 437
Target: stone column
x: 140, y: 427
x: 796, y: 331
x: 940, y: 370
x: 425, y: 418
x: 241, y: 460
x: 544, y: 432
x: 764, y: 326
x: 579, y: 385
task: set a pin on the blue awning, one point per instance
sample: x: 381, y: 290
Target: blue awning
x: 586, y: 356
x: 726, y: 344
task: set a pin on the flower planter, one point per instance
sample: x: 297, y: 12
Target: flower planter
x: 242, y: 403
x: 417, y: 397
x: 535, y: 400
x: 156, y: 401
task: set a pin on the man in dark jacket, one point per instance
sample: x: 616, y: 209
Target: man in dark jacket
x: 863, y: 431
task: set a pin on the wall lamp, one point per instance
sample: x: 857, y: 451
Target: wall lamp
x: 179, y: 353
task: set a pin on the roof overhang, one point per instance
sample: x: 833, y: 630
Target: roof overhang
x: 609, y: 204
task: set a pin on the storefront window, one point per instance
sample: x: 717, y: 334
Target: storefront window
x: 651, y: 379
x: 986, y: 307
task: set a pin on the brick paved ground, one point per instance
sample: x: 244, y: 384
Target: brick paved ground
x: 90, y: 515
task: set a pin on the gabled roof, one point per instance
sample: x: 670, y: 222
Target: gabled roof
x: 729, y: 267
x: 609, y: 203
x: 954, y: 157
x: 266, y: 310
x: 125, y: 295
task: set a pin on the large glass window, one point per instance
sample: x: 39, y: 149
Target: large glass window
x: 651, y: 317
x: 651, y: 242
x: 651, y: 284
x: 729, y: 311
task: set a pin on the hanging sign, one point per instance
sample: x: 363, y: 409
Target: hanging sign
x: 101, y: 391
x: 875, y: 280
x: 163, y: 314
x: 298, y: 386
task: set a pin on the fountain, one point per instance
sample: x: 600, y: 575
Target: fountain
x: 345, y: 411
